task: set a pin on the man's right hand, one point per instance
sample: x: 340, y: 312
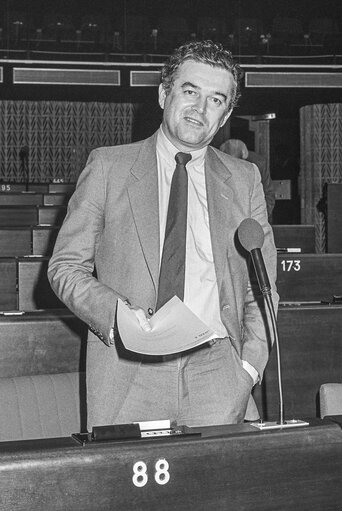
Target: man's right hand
x: 141, y: 317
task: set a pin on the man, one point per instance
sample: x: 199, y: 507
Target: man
x: 236, y: 147
x: 116, y: 224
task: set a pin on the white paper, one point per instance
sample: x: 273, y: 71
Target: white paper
x: 175, y: 328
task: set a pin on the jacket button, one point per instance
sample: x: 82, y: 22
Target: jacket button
x: 150, y: 311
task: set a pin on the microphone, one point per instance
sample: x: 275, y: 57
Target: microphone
x: 24, y: 157
x: 24, y: 153
x: 251, y: 236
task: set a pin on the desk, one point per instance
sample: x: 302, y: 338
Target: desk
x: 228, y: 468
x: 311, y: 354
x: 307, y: 277
x: 41, y: 342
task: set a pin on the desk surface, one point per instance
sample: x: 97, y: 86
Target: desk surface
x: 227, y: 468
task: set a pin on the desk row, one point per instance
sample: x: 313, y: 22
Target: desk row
x: 301, y: 278
x: 46, y: 342
x: 34, y: 199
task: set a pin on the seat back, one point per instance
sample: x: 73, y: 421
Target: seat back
x: 330, y: 396
x: 42, y: 406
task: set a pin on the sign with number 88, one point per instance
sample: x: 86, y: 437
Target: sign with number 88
x: 140, y: 475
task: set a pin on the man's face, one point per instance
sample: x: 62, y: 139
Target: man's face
x: 197, y: 104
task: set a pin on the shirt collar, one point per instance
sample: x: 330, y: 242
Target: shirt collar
x: 167, y: 151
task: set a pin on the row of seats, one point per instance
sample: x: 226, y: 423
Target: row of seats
x: 42, y: 364
x: 301, y: 278
x: 54, y: 405
x: 29, y: 227
x: 141, y: 34
x: 43, y: 345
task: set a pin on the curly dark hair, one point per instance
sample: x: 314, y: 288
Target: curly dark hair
x: 206, y: 52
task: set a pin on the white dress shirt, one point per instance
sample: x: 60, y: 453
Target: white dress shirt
x: 200, y: 290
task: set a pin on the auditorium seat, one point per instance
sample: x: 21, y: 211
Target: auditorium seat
x: 172, y: 31
x: 247, y: 32
x: 324, y: 32
x: 51, y: 215
x: 8, y: 284
x: 56, y: 199
x: 21, y: 199
x: 94, y: 32
x: 330, y: 396
x: 41, y: 342
x: 286, y: 32
x: 15, y: 241
x: 42, y: 406
x: 34, y: 290
x: 43, y: 239
x: 211, y: 28
x: 18, y: 216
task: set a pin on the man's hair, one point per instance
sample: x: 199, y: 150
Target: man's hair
x: 206, y: 52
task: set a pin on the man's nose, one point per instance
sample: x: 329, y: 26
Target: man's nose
x: 201, y: 104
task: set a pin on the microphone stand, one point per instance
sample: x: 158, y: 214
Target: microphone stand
x: 267, y: 294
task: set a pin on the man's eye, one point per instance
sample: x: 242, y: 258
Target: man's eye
x: 217, y: 101
x: 190, y: 92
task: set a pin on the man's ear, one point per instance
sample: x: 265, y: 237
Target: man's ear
x: 162, y: 96
x: 226, y: 117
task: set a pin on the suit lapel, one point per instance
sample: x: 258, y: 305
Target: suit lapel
x: 220, y: 199
x: 143, y: 197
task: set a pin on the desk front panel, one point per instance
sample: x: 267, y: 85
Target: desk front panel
x: 237, y: 468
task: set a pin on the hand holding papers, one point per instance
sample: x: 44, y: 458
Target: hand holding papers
x: 175, y: 328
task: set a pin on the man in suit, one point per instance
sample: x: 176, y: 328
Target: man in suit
x: 115, y: 224
x: 236, y: 147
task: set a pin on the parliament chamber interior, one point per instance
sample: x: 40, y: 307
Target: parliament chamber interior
x: 75, y: 76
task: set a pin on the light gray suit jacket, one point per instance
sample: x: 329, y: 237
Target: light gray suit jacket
x: 112, y: 224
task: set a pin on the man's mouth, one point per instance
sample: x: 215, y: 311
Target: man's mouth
x: 193, y: 121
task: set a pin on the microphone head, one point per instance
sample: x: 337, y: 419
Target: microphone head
x: 24, y: 152
x: 251, y: 234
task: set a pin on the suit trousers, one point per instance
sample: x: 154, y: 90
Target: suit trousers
x: 203, y: 386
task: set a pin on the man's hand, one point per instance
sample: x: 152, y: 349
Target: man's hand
x: 141, y: 317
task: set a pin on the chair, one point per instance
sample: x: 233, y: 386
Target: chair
x: 132, y: 33
x: 324, y: 32
x: 42, y: 406
x: 247, y: 32
x: 212, y: 28
x: 94, y: 32
x: 330, y: 396
x: 57, y: 32
x: 19, y: 25
x: 286, y: 32
x: 172, y: 31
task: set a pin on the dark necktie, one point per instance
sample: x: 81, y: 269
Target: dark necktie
x: 172, y: 268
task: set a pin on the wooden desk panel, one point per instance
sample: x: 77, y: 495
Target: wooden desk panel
x: 56, y: 199
x: 67, y: 188
x: 309, y: 277
x: 18, y: 216
x: 15, y: 242
x: 38, y: 187
x: 41, y: 342
x: 311, y: 354
x: 295, y: 236
x: 34, y: 290
x: 21, y: 199
x: 43, y: 239
x: 233, y: 469
x: 8, y: 284
x: 12, y: 187
x: 51, y: 215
